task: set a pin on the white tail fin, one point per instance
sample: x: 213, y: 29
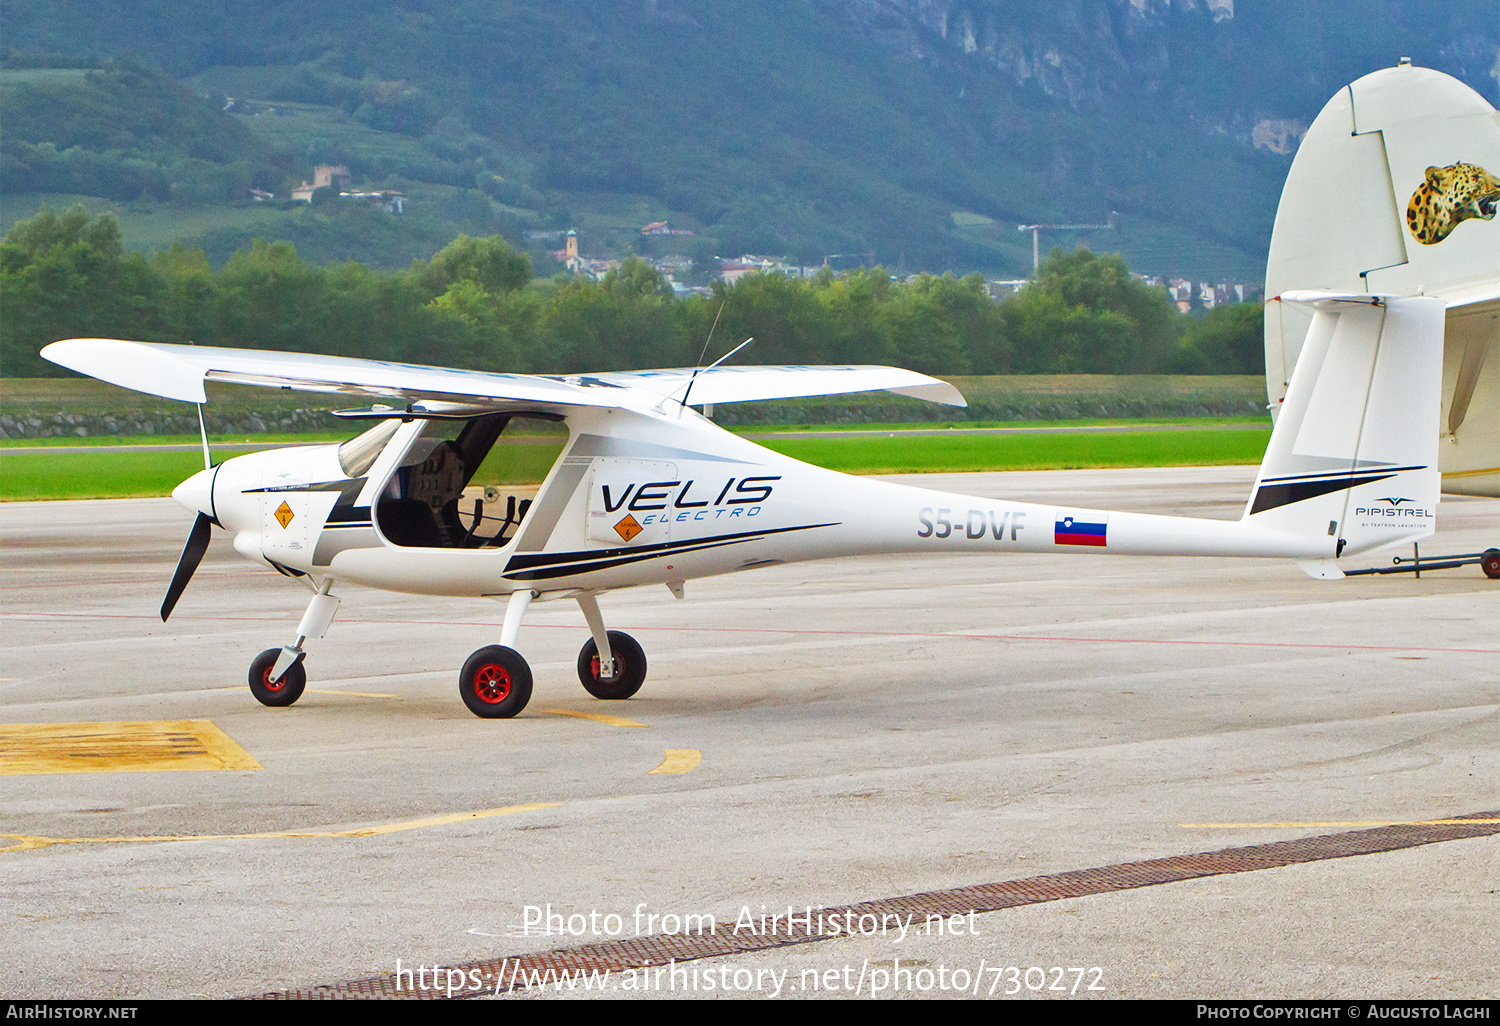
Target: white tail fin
x: 1354, y: 451
x: 1393, y: 192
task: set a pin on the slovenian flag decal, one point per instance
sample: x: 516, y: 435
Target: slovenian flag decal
x: 1068, y: 531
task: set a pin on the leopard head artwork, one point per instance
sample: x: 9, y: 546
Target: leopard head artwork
x: 1449, y: 195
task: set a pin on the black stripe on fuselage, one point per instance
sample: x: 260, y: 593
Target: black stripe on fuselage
x: 544, y: 566
x: 350, y: 486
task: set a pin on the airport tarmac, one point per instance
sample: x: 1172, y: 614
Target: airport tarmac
x: 844, y: 731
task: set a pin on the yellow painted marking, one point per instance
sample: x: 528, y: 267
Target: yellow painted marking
x: 679, y: 760
x: 1332, y: 823
x: 1471, y: 473
x: 355, y: 694
x: 613, y: 721
x: 29, y: 841
x: 127, y: 747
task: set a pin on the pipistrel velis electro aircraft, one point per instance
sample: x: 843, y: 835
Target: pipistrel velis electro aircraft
x: 646, y: 490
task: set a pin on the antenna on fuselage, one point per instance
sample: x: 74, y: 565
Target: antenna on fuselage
x: 699, y: 366
x: 711, y: 331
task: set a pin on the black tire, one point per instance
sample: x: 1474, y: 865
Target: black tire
x: 284, y: 692
x: 495, y: 683
x: 630, y: 667
x: 1490, y: 564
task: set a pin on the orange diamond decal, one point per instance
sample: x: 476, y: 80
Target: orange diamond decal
x: 284, y: 514
x: 628, y: 528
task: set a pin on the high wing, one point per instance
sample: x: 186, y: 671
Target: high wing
x: 738, y: 384
x: 179, y: 371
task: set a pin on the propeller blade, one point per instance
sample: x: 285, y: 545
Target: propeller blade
x: 192, y: 555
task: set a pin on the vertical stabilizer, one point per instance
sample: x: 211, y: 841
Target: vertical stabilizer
x: 1354, y: 452
x: 1394, y: 191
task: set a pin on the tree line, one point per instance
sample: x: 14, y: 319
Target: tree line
x: 475, y: 304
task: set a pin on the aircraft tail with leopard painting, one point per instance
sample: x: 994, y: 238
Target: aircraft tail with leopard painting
x: 1394, y: 192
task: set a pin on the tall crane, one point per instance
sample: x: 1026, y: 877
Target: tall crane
x: 1036, y: 250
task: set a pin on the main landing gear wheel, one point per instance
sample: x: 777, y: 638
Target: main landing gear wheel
x: 1490, y: 563
x: 284, y: 691
x: 495, y: 683
x: 630, y: 667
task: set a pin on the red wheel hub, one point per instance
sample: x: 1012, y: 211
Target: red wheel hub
x: 271, y: 685
x: 492, y: 683
x: 619, y: 667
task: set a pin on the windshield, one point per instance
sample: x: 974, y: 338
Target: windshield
x: 357, y: 455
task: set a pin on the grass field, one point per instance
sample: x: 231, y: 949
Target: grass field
x: 1145, y: 447
x: 28, y: 476
x: 89, y: 475
x: 753, y: 432
x: 1030, y: 426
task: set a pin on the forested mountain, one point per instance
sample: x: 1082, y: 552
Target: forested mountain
x: 798, y: 127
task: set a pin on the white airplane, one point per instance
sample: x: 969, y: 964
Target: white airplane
x: 1394, y: 191
x: 648, y: 491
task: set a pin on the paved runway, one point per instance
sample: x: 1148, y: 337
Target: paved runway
x: 863, y: 728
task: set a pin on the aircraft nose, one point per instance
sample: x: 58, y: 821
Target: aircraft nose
x: 196, y: 494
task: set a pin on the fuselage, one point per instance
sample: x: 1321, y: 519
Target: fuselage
x: 645, y: 497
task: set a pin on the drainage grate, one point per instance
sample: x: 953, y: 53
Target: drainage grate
x: 658, y: 949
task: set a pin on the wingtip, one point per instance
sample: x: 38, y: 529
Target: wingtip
x: 139, y: 366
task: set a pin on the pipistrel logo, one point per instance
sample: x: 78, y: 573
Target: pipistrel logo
x: 1395, y: 511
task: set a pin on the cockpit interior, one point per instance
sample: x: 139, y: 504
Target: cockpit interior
x: 462, y: 484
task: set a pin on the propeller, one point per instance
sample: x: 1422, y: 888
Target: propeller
x: 192, y: 555
x: 197, y: 542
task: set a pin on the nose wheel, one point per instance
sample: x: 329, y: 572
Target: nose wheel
x: 280, y: 692
x: 629, y: 666
x: 495, y: 682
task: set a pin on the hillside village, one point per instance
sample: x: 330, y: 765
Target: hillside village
x: 337, y: 176
x: 674, y: 267
x: 1187, y: 295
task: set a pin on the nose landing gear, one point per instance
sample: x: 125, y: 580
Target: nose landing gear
x: 277, y: 677
x: 282, y: 691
